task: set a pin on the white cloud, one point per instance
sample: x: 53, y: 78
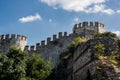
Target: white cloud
x: 87, y: 6
x: 118, y: 11
x: 117, y: 33
x: 50, y: 20
x: 76, y: 19
x: 100, y: 8
x: 30, y: 18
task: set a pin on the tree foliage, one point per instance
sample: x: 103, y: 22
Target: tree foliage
x: 13, y: 65
x: 107, y: 34
x: 37, y: 68
x: 17, y: 65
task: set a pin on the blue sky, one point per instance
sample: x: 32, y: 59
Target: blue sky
x: 39, y: 19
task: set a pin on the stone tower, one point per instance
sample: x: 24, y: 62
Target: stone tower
x: 6, y: 41
x: 88, y: 29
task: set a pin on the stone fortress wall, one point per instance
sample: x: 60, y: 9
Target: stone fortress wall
x: 52, y: 47
x: 85, y: 29
x: 6, y: 41
x: 83, y: 59
x: 88, y: 29
x: 46, y: 43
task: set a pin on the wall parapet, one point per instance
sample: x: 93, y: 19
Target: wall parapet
x: 12, y: 36
x: 85, y: 24
x: 49, y: 41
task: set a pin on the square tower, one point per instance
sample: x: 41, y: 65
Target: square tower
x: 88, y: 29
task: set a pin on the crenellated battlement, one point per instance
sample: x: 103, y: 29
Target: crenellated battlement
x: 83, y: 29
x: 47, y: 42
x: 8, y: 40
x: 88, y: 24
x: 88, y: 29
x: 53, y: 46
x: 13, y: 36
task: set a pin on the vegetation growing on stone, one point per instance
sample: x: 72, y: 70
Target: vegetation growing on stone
x: 74, y: 43
x: 107, y: 63
x: 99, y: 48
x: 106, y: 34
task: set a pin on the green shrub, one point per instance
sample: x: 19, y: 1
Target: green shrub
x: 107, y: 34
x: 74, y: 43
